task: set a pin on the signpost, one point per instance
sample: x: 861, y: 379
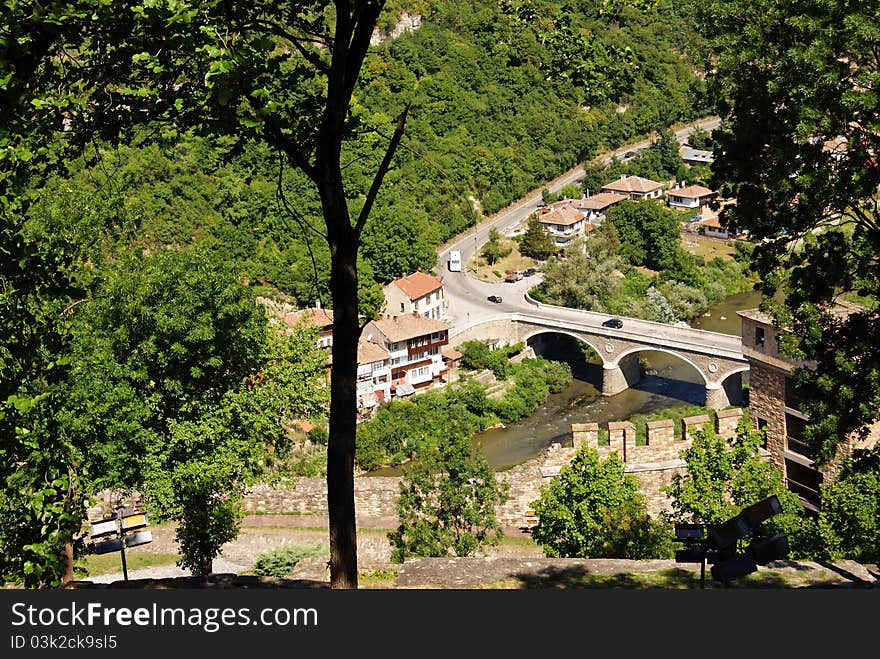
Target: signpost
x: 124, y: 521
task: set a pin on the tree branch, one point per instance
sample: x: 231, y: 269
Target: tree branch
x: 275, y: 137
x: 384, y: 166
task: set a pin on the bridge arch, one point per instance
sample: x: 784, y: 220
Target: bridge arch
x: 573, y: 335
x: 675, y: 354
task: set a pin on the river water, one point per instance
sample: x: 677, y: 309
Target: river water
x: 668, y: 382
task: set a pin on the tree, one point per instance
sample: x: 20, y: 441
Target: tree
x: 280, y: 74
x: 850, y: 517
x: 587, y: 276
x: 593, y: 509
x: 536, y: 241
x: 180, y: 390
x: 725, y: 476
x: 447, y: 502
x: 797, y: 147
x: 493, y: 250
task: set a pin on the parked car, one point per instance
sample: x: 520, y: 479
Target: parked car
x: 629, y: 154
x: 528, y: 272
x: 494, y: 298
x: 616, y: 323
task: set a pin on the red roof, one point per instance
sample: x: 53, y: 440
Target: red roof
x: 628, y: 184
x: 418, y: 284
x: 320, y: 318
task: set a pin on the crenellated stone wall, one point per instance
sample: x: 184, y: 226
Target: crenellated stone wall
x: 653, y: 465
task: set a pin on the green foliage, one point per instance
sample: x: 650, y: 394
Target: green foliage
x: 280, y: 561
x: 401, y: 428
x: 593, y: 509
x: 725, y: 476
x: 792, y: 176
x: 447, y: 501
x: 493, y: 250
x: 850, y: 516
x: 536, y: 241
x: 586, y: 277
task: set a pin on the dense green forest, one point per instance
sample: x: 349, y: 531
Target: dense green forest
x: 501, y: 100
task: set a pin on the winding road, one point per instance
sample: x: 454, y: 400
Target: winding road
x: 468, y: 296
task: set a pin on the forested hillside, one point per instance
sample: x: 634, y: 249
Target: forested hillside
x: 503, y: 97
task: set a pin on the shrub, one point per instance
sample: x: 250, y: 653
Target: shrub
x: 280, y: 561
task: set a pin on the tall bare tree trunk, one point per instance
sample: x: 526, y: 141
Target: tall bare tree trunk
x: 343, y: 408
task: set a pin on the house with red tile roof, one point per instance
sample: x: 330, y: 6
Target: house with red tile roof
x: 322, y: 319
x: 634, y: 187
x: 373, y: 375
x: 691, y: 196
x: 415, y: 345
x: 419, y: 293
x: 564, y: 224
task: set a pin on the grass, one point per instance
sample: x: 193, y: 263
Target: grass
x: 377, y: 578
x: 495, y: 273
x: 707, y: 247
x: 96, y: 565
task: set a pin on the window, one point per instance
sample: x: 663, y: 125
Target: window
x: 759, y: 337
x: 401, y: 308
x: 803, y: 481
x: 794, y: 435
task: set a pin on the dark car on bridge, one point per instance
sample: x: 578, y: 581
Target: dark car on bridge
x: 494, y: 298
x: 616, y: 323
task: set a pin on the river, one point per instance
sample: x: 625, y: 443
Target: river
x: 668, y: 382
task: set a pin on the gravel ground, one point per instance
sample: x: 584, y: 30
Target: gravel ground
x: 513, y: 564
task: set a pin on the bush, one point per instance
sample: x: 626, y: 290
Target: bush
x: 279, y: 562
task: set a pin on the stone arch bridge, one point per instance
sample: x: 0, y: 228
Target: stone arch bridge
x: 716, y: 357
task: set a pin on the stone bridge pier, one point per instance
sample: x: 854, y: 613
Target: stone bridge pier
x: 617, y: 377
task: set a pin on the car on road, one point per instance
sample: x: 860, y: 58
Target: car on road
x: 629, y: 154
x: 616, y: 323
x: 528, y: 272
x: 494, y: 298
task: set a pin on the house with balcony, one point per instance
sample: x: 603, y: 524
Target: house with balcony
x: 373, y: 376
x: 415, y: 346
x: 692, y: 197
x: 418, y: 293
x: 775, y: 407
x: 564, y: 224
x: 634, y: 187
x: 593, y: 208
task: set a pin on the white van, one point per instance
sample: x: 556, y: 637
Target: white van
x: 454, y: 261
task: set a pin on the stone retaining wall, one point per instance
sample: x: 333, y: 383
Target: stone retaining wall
x: 653, y: 464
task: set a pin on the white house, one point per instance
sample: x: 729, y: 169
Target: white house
x: 594, y: 208
x: 564, y: 224
x: 373, y: 375
x: 418, y: 293
x: 634, y: 187
x: 691, y: 196
x: 414, y: 344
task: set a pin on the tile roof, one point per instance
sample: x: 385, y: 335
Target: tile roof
x: 400, y: 328
x: 691, y: 191
x: 598, y: 202
x: 451, y: 353
x: 627, y: 184
x: 562, y: 216
x: 418, y: 284
x: 321, y: 318
x: 370, y: 351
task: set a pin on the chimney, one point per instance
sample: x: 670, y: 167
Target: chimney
x: 318, y: 303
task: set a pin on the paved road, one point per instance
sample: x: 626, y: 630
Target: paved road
x: 467, y: 296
